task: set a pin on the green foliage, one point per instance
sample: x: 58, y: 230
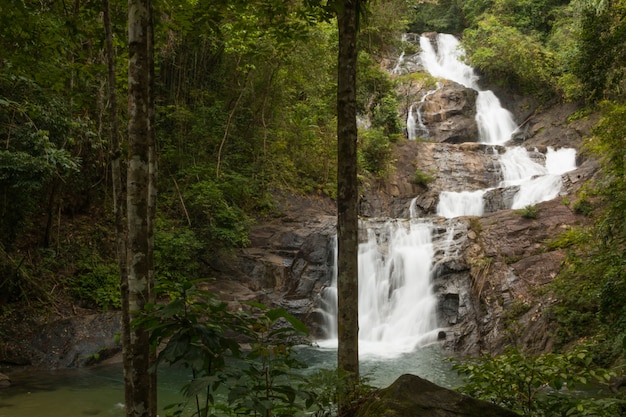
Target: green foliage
x: 422, y: 178
x: 444, y: 16
x: 570, y: 237
x: 35, y: 129
x: 265, y: 383
x: 376, y: 96
x: 375, y: 151
x: 529, y: 212
x: 591, y: 286
x: 200, y: 332
x: 583, y: 206
x: 385, y: 116
x: 98, y: 284
x: 527, y: 16
x: 216, y: 217
x: 538, y: 385
x: 193, y: 328
x: 177, y: 252
x: 510, y: 56
x: 599, y: 63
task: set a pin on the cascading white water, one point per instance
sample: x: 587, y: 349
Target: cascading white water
x: 537, y: 182
x: 411, y: 125
x: 328, y: 298
x: 447, y: 61
x: 395, y: 298
x: 396, y: 301
x: 463, y: 203
x: 398, y: 67
x: 414, y: 122
x: 495, y: 125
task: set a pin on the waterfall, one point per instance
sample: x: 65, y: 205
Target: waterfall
x: 397, y: 69
x: 328, y: 298
x: 447, y: 61
x: 495, y: 123
x: 415, y: 126
x: 464, y: 203
x: 537, y: 182
x: 411, y: 125
x: 395, y: 296
x: 396, y: 301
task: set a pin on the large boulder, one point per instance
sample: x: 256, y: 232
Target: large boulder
x: 449, y: 114
x: 67, y: 342
x: 412, y: 396
x: 5, y: 381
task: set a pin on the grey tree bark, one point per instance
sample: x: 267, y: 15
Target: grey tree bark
x: 140, y: 396
x: 347, y: 193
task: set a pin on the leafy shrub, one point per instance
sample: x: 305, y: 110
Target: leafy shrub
x: 385, y: 116
x: 529, y: 212
x: 215, y: 217
x: 422, y: 178
x: 539, y: 385
x: 98, y: 283
x: 375, y: 151
x: 570, y: 237
x: 509, y: 55
x: 199, y: 331
x: 584, y: 207
x: 177, y: 251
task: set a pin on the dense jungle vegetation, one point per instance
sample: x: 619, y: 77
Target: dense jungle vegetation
x: 246, y: 108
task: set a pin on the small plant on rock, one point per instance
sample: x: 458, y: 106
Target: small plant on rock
x: 529, y: 212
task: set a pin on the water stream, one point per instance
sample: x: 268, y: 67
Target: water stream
x: 99, y: 391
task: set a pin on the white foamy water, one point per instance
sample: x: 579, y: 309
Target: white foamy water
x: 411, y: 124
x: 447, y: 60
x: 464, y: 203
x: 537, y: 182
x: 396, y: 302
x: 495, y: 123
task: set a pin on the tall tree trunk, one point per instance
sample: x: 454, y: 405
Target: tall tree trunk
x: 152, y: 194
x: 137, y: 356
x: 347, y: 193
x: 115, y: 150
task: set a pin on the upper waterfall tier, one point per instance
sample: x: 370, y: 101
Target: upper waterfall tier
x: 445, y: 60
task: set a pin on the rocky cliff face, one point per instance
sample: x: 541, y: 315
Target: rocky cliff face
x: 487, y: 278
x: 487, y: 270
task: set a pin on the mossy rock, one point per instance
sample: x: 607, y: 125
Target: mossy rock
x: 412, y: 396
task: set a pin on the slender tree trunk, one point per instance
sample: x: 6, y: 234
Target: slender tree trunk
x: 116, y: 153
x: 347, y: 194
x: 137, y: 355
x: 152, y: 194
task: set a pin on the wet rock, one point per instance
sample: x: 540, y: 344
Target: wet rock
x: 412, y: 396
x: 449, y: 114
x: 74, y: 341
x: 5, y: 381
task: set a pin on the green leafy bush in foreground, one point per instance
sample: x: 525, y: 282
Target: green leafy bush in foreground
x: 542, y: 385
x: 241, y: 362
